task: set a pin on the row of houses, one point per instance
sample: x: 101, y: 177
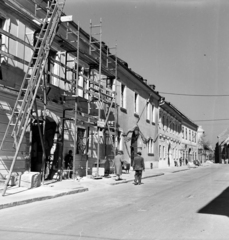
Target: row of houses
x: 139, y: 118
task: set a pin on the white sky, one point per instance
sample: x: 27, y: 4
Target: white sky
x: 181, y: 46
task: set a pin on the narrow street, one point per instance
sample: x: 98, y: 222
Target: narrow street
x: 185, y: 205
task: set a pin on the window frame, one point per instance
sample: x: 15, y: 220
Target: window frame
x: 123, y: 96
x: 136, y: 103
x: 153, y: 112
x: 150, y: 147
x: 148, y: 115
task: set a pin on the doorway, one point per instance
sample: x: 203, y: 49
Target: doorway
x: 37, y: 152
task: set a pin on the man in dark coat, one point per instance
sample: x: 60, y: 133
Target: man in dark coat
x: 138, y: 166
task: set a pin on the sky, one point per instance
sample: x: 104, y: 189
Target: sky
x: 180, y: 46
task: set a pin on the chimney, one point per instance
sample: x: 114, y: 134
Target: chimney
x: 152, y: 86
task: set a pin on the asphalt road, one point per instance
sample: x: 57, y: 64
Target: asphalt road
x: 191, y: 204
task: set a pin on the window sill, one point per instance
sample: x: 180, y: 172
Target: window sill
x: 123, y: 110
x: 136, y: 115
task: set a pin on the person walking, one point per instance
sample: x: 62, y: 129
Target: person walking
x: 118, y: 165
x: 138, y: 167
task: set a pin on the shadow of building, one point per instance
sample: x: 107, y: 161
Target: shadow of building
x: 218, y: 206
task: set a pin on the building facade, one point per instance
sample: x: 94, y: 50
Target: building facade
x: 116, y: 108
x: 138, y: 117
x: 170, y: 123
x: 177, y: 137
x: 90, y: 102
x: 189, y: 148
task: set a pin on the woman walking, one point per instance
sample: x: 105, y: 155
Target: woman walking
x: 118, y: 165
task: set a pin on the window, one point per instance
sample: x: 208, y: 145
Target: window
x: 81, y: 141
x: 59, y: 71
x: 109, y: 83
x: 164, y: 152
x: 151, y: 146
x: 160, y: 151
x: 82, y: 83
x: 1, y: 27
x: 136, y: 107
x: 153, y: 113
x: 182, y: 132
x: 148, y: 111
x: 123, y: 96
x: 189, y: 135
x: 186, y: 133
x: 50, y: 69
x: 120, y: 141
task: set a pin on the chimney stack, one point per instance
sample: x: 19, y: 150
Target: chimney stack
x: 152, y: 86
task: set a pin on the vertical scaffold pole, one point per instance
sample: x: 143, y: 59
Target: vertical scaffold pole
x: 76, y: 103
x: 91, y: 48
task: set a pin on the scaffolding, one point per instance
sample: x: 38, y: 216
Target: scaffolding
x: 100, y: 90
x: 95, y: 91
x: 106, y: 96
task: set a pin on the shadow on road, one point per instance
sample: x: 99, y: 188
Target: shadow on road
x: 218, y: 206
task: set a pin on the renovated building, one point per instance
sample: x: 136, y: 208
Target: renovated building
x: 89, y: 102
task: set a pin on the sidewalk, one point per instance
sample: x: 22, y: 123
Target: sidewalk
x: 16, y: 196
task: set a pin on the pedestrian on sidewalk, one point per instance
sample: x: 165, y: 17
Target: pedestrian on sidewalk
x: 68, y: 160
x: 138, y: 166
x: 118, y: 164
x: 175, y: 163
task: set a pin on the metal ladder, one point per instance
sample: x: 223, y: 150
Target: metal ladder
x: 21, y: 113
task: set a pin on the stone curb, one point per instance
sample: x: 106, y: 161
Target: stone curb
x: 131, y: 180
x: 18, y: 203
x: 180, y: 170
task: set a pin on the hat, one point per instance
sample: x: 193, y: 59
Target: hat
x: 139, y: 153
